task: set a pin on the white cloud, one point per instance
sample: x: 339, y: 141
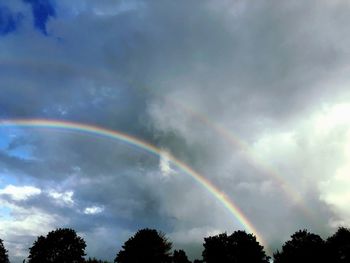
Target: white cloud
x: 335, y: 189
x: 164, y: 164
x: 20, y: 193
x: 62, y: 198
x: 93, y: 210
x: 314, y: 155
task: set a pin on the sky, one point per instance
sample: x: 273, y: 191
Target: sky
x: 251, y: 95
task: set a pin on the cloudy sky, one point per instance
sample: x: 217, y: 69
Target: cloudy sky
x: 253, y: 95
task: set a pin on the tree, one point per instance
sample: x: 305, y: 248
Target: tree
x: 304, y: 247
x: 239, y: 247
x: 3, y: 253
x: 179, y: 256
x: 338, y: 246
x: 59, y: 246
x: 147, y: 245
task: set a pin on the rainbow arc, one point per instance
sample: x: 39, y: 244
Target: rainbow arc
x: 116, y: 135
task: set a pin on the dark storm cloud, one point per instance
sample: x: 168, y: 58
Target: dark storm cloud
x: 161, y: 50
x: 262, y: 64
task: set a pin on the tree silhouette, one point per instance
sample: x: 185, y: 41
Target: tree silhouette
x: 338, y: 246
x: 179, y: 256
x: 304, y: 247
x: 59, y: 246
x: 147, y: 245
x: 239, y: 247
x: 3, y: 253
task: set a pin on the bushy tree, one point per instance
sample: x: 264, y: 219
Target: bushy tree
x: 239, y: 247
x: 216, y: 248
x: 59, y: 246
x: 303, y: 247
x: 3, y: 253
x: 147, y: 245
x: 338, y: 246
x: 179, y: 256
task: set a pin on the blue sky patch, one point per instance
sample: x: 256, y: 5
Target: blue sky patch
x: 6, y: 179
x: 21, y: 151
x: 8, y: 20
x: 42, y: 10
x: 5, y: 212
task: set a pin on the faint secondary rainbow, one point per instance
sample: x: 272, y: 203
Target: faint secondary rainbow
x: 116, y: 135
x: 247, y: 152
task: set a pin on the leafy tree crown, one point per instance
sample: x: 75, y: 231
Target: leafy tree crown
x: 59, y: 246
x: 147, y: 245
x: 303, y: 247
x: 239, y: 247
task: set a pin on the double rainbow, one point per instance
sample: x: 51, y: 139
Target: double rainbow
x: 116, y: 135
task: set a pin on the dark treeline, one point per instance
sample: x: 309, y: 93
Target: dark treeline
x: 63, y: 245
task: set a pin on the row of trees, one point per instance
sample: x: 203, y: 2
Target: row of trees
x: 151, y: 246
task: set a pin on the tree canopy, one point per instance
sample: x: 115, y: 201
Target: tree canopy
x: 3, y: 253
x: 239, y: 247
x: 59, y: 246
x: 338, y: 246
x: 303, y: 247
x: 179, y: 256
x: 147, y: 245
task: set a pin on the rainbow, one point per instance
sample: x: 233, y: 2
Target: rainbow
x: 294, y: 196
x: 253, y: 160
x: 249, y: 156
x: 231, y: 138
x: 116, y: 135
